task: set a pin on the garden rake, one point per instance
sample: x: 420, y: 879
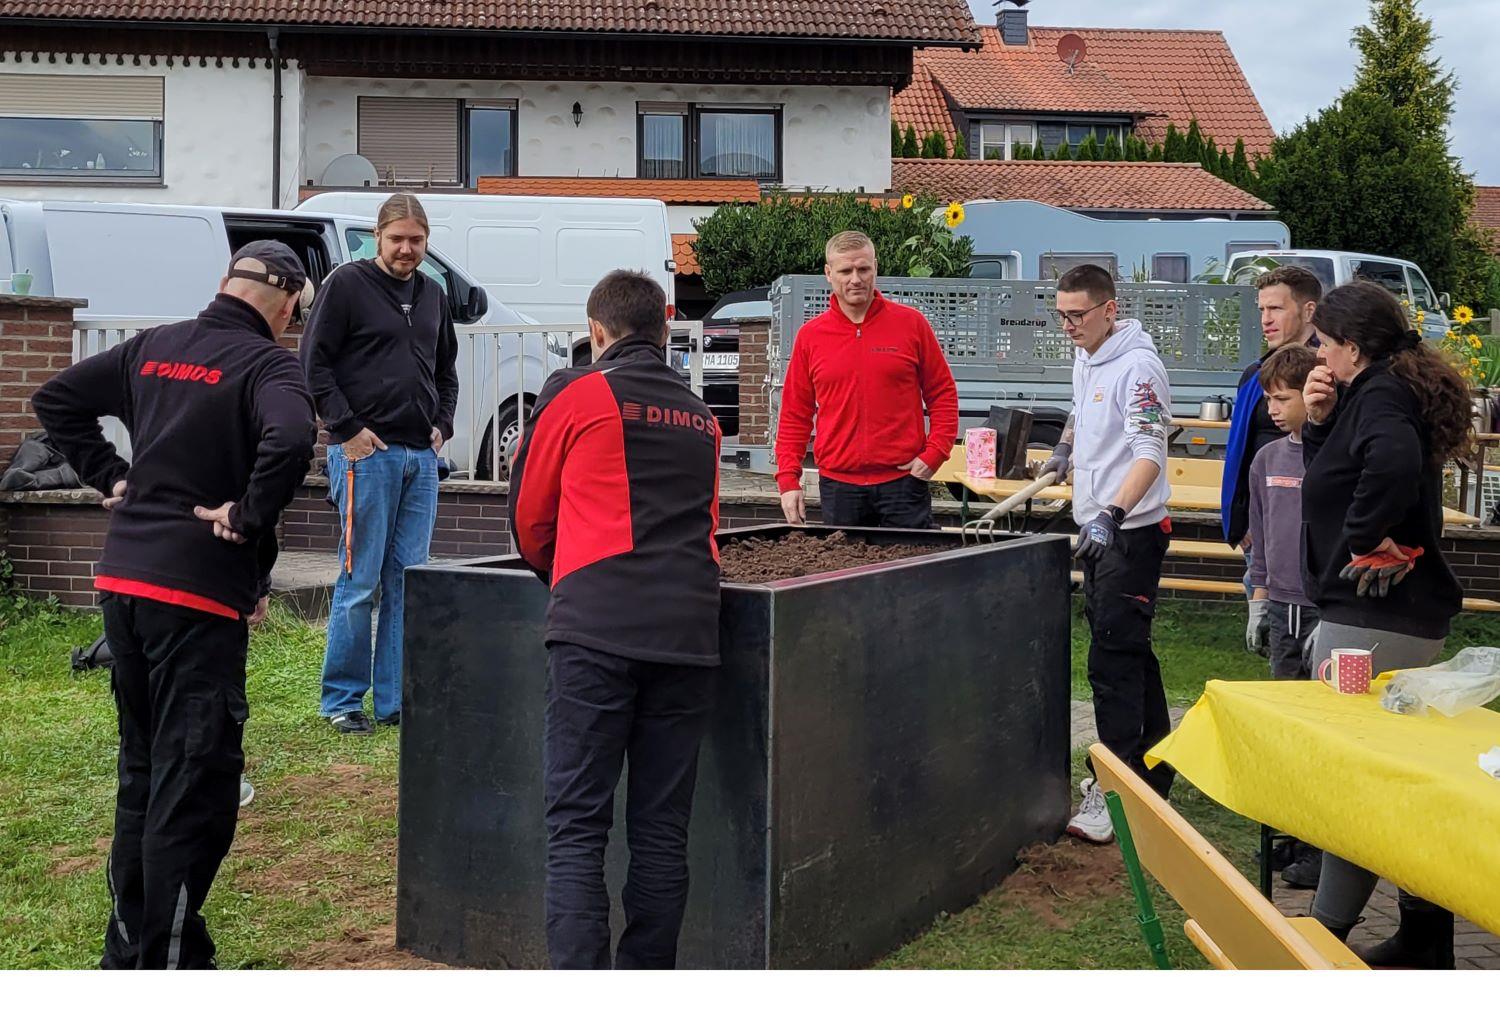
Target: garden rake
x: 984, y: 528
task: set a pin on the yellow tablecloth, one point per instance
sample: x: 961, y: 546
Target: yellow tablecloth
x: 1400, y: 795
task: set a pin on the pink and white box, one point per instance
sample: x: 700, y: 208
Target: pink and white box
x: 979, y: 449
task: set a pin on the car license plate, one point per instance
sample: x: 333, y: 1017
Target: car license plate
x: 717, y: 362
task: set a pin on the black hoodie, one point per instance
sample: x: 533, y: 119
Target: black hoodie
x: 216, y: 411
x: 371, y: 364
x: 1371, y: 475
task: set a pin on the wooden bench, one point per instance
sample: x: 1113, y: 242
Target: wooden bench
x: 1229, y: 922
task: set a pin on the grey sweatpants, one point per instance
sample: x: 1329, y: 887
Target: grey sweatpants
x: 1345, y: 888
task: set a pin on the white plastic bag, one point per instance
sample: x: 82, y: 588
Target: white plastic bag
x: 1470, y: 679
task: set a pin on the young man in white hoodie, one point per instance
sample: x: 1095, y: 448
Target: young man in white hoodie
x: 1115, y: 444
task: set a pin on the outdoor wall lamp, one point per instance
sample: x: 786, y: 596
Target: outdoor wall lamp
x: 577, y: 113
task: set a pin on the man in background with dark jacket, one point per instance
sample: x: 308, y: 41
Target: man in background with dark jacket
x: 380, y: 353
x: 614, y: 503
x: 221, y: 431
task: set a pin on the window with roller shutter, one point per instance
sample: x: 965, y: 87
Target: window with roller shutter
x: 411, y: 140
x: 100, y: 129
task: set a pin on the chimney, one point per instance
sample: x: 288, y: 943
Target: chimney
x: 1012, y: 24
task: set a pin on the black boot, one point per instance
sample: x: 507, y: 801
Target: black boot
x: 1423, y: 941
x: 1305, y: 869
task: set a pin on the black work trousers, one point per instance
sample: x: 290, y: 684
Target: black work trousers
x: 1130, y: 702
x: 904, y: 503
x: 179, y: 686
x: 601, y: 709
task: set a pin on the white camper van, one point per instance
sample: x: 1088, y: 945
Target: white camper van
x: 164, y: 262
x: 543, y: 254
x: 1340, y: 267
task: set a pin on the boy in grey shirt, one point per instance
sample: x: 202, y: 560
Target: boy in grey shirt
x: 1282, y: 619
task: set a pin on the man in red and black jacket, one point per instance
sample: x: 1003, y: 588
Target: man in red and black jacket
x: 614, y: 503
x: 869, y: 369
x: 222, y: 432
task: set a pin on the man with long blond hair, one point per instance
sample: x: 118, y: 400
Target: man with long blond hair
x: 379, y: 353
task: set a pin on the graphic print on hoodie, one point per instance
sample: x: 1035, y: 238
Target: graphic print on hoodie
x: 1122, y: 409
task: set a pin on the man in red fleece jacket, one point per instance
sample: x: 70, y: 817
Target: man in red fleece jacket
x: 869, y: 369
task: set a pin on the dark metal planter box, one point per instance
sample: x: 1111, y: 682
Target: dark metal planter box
x: 885, y: 739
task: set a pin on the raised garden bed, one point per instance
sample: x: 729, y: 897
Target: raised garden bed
x: 885, y: 738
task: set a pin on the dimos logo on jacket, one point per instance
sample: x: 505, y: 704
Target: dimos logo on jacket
x: 182, y: 370
x: 657, y: 415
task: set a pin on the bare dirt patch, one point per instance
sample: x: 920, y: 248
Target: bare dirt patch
x: 65, y: 864
x: 361, y: 949
x: 762, y: 560
x: 1066, y: 871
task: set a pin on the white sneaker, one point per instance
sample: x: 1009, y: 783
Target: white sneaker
x: 247, y: 792
x: 1092, y: 821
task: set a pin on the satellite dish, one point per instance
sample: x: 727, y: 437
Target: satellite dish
x: 1071, y: 50
x: 350, y: 170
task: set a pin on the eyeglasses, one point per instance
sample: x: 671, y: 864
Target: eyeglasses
x: 1075, y: 318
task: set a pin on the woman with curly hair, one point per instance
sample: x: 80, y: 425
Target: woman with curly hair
x: 1385, y: 412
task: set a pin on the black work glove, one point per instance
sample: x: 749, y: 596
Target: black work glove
x: 1096, y: 538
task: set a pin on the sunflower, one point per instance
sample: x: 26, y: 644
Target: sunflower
x: 1474, y: 362
x: 907, y: 201
x: 1451, y: 334
x: 1476, y: 342
x: 954, y: 216
x: 1463, y: 314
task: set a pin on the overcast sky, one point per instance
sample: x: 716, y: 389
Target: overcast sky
x: 1297, y: 56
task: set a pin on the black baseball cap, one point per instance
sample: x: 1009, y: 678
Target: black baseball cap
x: 282, y: 269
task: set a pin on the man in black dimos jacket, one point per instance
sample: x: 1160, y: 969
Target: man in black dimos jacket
x: 221, y: 431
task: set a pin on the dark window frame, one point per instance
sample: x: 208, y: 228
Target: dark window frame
x: 108, y: 177
x: 467, y: 104
x: 691, y: 115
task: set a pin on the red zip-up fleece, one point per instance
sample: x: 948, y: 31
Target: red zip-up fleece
x: 870, y: 386
x: 614, y: 501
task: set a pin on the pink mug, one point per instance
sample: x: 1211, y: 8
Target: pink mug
x: 1351, y: 671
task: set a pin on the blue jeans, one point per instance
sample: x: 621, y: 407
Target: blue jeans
x: 395, y: 506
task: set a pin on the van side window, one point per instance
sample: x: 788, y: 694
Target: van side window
x: 1421, y: 292
x: 362, y: 245
x: 1169, y: 268
x: 1383, y: 273
x: 1052, y: 265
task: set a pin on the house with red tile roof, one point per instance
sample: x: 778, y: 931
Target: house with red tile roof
x: 1041, y: 85
x: 1486, y: 216
x: 253, y: 102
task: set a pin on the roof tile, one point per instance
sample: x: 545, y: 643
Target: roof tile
x: 1082, y: 185
x: 684, y: 254
x: 928, y: 21
x: 1487, y: 213
x: 1160, y: 75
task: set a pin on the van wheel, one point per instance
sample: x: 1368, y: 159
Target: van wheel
x: 510, y: 439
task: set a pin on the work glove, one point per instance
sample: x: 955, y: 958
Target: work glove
x: 1060, y: 462
x: 1377, y: 572
x: 1096, y: 538
x: 1258, y: 629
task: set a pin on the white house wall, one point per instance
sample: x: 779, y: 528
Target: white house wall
x: 833, y: 137
x: 216, y: 134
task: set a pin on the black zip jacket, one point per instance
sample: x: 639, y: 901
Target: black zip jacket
x: 369, y: 364
x: 217, y: 411
x: 614, y: 501
x: 1370, y: 475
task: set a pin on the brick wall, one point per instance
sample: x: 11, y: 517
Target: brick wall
x: 36, y: 342
x: 53, y: 538
x: 755, y: 393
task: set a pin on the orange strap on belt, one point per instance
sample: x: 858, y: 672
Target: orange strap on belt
x: 349, y: 520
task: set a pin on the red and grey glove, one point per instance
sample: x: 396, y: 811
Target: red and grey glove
x: 1377, y: 572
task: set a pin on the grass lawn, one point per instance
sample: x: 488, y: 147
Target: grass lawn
x: 310, y: 880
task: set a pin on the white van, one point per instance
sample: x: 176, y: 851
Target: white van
x: 1341, y: 267
x: 543, y: 254
x: 148, y: 261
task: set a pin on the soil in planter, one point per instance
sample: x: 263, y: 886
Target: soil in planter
x: 760, y: 560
